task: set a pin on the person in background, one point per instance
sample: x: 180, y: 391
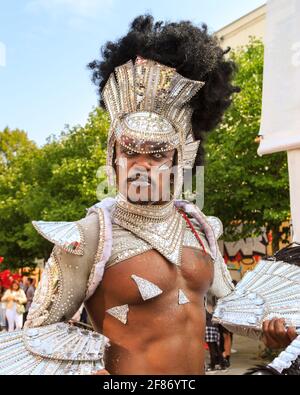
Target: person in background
x: 225, y: 344
x: 29, y: 292
x: 14, y: 299
x: 24, y: 283
x: 10, y: 279
x: 212, y: 338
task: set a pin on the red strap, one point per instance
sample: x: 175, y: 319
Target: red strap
x: 193, y: 229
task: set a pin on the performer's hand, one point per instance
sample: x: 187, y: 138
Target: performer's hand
x: 275, y: 335
x: 101, y: 372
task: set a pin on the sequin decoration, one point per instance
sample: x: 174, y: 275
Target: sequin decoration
x: 271, y: 290
x: 189, y: 154
x: 58, y: 349
x: 145, y: 122
x: 161, y: 226
x: 119, y: 312
x: 182, y: 298
x: 127, y: 245
x: 147, y: 87
x: 48, y: 291
x: 217, y: 226
x: 147, y: 289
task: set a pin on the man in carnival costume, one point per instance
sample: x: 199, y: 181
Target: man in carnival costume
x: 144, y: 261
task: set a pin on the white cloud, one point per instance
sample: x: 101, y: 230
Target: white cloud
x: 80, y: 8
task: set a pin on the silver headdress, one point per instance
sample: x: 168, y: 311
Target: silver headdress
x: 149, y: 111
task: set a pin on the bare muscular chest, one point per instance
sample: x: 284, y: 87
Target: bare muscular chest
x: 194, y: 276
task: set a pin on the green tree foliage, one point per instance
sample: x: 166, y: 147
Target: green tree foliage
x: 54, y: 183
x: 240, y: 186
x: 16, y: 151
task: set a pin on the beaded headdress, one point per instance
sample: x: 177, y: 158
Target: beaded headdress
x: 149, y: 111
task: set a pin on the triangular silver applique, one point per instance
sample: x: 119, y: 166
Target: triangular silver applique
x: 119, y: 312
x: 147, y: 289
x: 182, y: 298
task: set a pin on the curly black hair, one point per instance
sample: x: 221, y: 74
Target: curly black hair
x: 191, y: 50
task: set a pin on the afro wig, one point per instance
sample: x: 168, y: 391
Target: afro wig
x: 191, y: 50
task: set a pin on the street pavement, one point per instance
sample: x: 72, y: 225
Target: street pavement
x: 245, y: 357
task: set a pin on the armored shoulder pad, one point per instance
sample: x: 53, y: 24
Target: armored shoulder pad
x: 213, y: 229
x: 74, y: 269
x: 67, y: 235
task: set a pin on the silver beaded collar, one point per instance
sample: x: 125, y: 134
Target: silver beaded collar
x: 160, y: 225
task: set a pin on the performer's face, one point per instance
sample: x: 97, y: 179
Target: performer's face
x: 144, y: 178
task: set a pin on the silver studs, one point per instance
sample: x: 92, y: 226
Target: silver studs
x: 147, y: 289
x: 182, y: 298
x: 119, y: 312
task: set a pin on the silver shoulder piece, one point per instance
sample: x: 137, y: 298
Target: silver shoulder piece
x: 74, y: 269
x: 213, y: 229
x: 216, y: 225
x: 58, y: 349
x: 67, y: 235
x: 222, y: 284
x: 271, y: 290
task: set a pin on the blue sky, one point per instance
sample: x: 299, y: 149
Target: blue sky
x: 46, y: 44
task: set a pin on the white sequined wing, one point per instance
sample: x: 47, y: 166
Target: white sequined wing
x: 58, y: 349
x: 271, y: 290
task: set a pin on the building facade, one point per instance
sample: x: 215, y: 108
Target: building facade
x: 238, y: 33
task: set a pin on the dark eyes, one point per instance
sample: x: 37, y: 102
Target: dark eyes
x: 130, y: 153
x: 156, y: 155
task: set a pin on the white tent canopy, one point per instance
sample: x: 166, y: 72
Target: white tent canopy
x: 280, y: 125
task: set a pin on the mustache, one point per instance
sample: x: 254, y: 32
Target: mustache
x: 140, y: 176
x: 141, y: 179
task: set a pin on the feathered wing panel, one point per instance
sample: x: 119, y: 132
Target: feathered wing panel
x: 57, y: 349
x: 70, y: 276
x: 271, y: 290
